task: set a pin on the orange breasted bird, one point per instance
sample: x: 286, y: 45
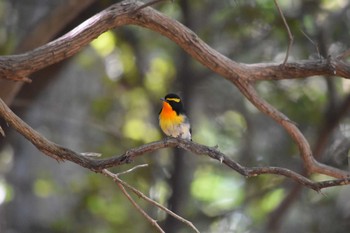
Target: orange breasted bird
x: 172, y: 118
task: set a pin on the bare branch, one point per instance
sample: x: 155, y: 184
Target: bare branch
x: 131, y: 169
x: 146, y: 5
x: 290, y: 35
x: 312, y: 42
x: 120, y: 185
x: 143, y: 196
x: 310, y: 163
x: 344, y: 55
x: 2, y: 133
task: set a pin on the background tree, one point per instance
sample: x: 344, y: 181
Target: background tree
x: 109, y: 94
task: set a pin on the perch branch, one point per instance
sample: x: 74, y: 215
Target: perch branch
x: 60, y: 154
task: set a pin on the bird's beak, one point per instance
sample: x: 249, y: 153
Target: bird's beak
x: 162, y: 99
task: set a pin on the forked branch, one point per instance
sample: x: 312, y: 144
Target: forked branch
x: 119, y: 181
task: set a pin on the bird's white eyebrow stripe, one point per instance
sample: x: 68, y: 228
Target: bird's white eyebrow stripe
x: 173, y: 99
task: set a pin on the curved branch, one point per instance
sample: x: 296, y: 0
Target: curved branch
x: 18, y: 67
x: 310, y: 163
x: 61, y: 154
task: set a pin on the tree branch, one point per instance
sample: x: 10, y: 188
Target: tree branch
x: 61, y: 154
x: 310, y: 163
x: 17, y: 67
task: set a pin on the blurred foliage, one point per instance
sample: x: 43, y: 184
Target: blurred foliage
x: 140, y: 66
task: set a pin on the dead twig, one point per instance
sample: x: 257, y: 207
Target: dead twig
x: 344, y: 55
x: 290, y: 35
x: 312, y: 42
x: 2, y: 133
x: 138, y: 208
x: 143, y: 196
x: 146, y: 5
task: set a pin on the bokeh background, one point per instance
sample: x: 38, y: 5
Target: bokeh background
x: 106, y: 99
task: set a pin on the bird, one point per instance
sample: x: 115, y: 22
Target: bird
x: 172, y: 118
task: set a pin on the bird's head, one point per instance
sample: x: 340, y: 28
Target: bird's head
x: 173, y: 101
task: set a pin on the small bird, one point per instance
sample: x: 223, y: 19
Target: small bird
x: 172, y: 118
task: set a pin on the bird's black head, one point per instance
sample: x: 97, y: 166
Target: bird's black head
x: 175, y: 102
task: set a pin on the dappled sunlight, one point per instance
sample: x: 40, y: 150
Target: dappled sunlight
x: 334, y: 4
x: 104, y: 44
x: 215, y: 191
x: 137, y: 129
x: 3, y: 191
x: 161, y: 71
x: 44, y: 188
x: 225, y: 131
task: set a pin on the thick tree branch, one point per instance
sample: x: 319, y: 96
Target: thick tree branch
x: 61, y: 154
x: 18, y: 67
x: 41, y: 33
x: 310, y: 163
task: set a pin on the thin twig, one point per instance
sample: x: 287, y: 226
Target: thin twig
x: 290, y: 35
x: 151, y: 220
x: 91, y: 154
x: 312, y: 42
x: 344, y: 55
x: 131, y: 169
x: 143, y: 196
x: 146, y: 5
x: 2, y: 133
